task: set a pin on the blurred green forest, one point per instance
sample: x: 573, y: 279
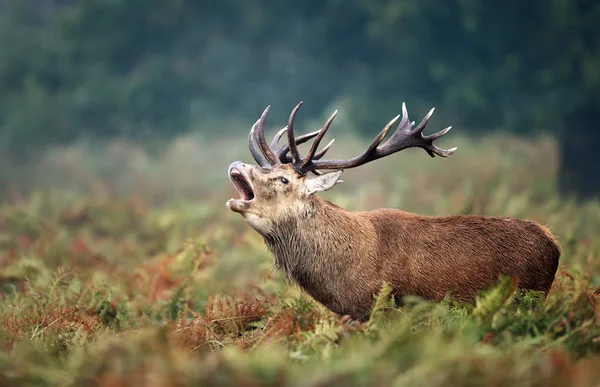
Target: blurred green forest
x: 155, y: 68
x: 121, y: 266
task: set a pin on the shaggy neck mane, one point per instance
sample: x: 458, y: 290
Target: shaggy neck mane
x: 301, y: 244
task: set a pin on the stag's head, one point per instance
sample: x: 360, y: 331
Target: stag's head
x: 282, y: 183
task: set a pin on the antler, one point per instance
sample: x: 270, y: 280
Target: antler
x: 405, y: 136
x: 262, y: 153
x: 267, y: 155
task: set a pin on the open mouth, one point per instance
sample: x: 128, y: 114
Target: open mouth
x: 241, y: 184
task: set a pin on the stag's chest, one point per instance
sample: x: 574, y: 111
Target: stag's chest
x: 318, y: 273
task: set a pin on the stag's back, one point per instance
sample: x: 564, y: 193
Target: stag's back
x: 462, y: 254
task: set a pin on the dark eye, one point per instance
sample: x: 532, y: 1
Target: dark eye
x: 284, y: 180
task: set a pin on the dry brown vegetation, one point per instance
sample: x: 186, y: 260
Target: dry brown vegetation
x: 122, y: 267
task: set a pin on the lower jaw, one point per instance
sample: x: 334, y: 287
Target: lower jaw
x: 237, y: 205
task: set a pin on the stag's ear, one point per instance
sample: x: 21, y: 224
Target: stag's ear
x: 322, y: 182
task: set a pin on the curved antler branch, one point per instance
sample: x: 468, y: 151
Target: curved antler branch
x: 277, y: 137
x: 405, y: 136
x: 256, y: 153
x: 324, y: 150
x: 262, y: 142
x: 311, y: 153
x: 291, y: 139
x: 282, y: 152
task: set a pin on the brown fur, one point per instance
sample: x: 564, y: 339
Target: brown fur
x: 341, y: 257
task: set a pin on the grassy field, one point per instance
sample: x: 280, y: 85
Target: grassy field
x: 118, y: 268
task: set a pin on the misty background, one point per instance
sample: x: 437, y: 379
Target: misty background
x: 152, y: 70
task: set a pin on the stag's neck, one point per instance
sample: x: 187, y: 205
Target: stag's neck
x: 314, y: 248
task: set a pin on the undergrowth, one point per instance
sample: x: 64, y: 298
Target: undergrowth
x: 103, y: 288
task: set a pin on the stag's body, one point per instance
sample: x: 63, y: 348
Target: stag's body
x: 341, y: 258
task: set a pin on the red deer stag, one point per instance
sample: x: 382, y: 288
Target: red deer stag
x: 341, y: 257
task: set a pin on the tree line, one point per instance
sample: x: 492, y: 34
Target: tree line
x: 153, y: 67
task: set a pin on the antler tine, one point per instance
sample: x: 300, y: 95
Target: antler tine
x: 439, y: 134
x: 367, y: 155
x: 405, y: 120
x: 281, y: 152
x: 425, y: 121
x: 404, y: 137
x: 258, y: 156
x: 323, y: 151
x: 286, y: 159
x: 375, y: 143
x: 313, y: 148
x: 425, y: 142
x: 291, y: 139
x: 277, y: 138
x: 262, y: 142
